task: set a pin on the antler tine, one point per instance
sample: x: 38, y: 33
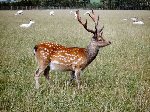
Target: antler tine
x: 92, y: 16
x: 96, y: 24
x: 97, y: 19
x: 84, y: 24
x: 79, y: 18
x: 101, y: 29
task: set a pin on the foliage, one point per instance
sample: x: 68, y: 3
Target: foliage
x: 103, y: 4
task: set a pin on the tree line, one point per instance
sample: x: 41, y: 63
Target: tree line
x: 101, y: 4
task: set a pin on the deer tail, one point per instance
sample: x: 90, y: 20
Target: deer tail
x: 35, y: 49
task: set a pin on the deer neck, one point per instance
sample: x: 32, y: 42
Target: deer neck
x: 30, y: 24
x: 92, y: 51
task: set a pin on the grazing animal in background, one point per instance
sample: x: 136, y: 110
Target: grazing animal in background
x: 75, y: 15
x: 52, y: 56
x: 20, y: 12
x: 134, y: 19
x: 125, y: 19
x: 51, y: 13
x: 138, y: 22
x: 71, y: 12
x: 27, y: 25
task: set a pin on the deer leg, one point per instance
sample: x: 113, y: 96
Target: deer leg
x: 46, y: 72
x: 37, y: 75
x: 77, y: 75
x: 72, y: 74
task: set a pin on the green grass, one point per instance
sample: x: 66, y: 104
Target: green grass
x: 118, y: 80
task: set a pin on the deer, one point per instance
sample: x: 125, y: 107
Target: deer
x: 51, y: 13
x: 52, y: 56
x: 20, y: 12
x: 27, y: 25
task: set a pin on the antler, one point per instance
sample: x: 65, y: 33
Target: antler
x: 96, y: 24
x: 84, y: 24
x: 92, y: 16
x: 101, y: 29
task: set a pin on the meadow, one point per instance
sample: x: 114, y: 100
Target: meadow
x: 118, y: 80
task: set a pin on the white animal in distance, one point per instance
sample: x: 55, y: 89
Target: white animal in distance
x: 27, y: 25
x: 20, y: 12
x: 125, y: 19
x: 51, y: 13
x: 134, y: 18
x: 75, y: 15
x: 71, y: 12
x: 138, y: 22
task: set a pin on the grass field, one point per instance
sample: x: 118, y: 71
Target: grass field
x: 118, y: 80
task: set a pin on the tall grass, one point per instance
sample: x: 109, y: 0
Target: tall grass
x: 117, y: 81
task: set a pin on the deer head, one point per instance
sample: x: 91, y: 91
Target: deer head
x: 97, y: 32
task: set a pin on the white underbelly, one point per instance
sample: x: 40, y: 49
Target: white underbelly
x: 55, y: 65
